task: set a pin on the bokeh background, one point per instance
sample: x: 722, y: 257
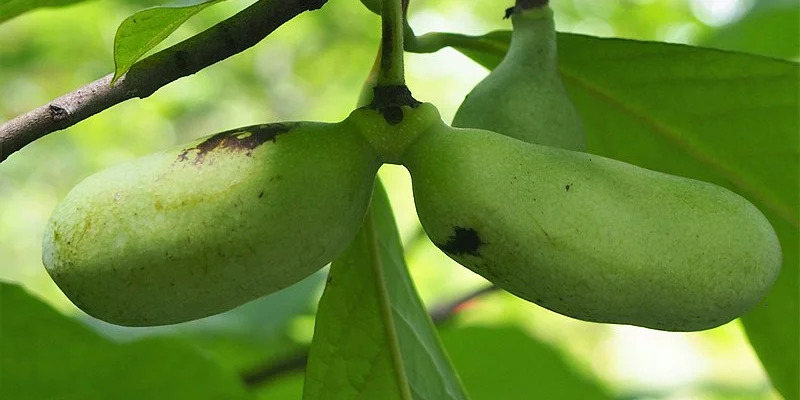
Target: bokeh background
x: 312, y: 69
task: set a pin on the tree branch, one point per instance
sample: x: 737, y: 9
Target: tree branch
x: 229, y: 37
x: 296, y: 362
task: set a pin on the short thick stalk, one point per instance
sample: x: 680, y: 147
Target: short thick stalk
x: 392, y: 73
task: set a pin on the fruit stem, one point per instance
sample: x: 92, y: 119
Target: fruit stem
x: 528, y: 4
x: 391, y: 72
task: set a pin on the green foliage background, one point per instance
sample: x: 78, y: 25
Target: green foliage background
x: 312, y: 69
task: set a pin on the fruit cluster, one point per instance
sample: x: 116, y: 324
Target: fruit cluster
x: 507, y: 192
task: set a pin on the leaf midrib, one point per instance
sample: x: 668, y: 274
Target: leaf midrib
x: 671, y: 134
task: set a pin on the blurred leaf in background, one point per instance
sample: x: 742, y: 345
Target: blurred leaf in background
x: 503, y: 362
x: 770, y: 28
x: 312, y: 69
x: 49, y: 356
x: 12, y: 8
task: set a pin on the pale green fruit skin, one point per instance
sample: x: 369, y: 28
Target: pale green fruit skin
x: 205, y: 227
x: 391, y: 131
x: 590, y: 237
x: 524, y: 97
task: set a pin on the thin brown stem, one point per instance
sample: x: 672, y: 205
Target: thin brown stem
x: 219, y: 42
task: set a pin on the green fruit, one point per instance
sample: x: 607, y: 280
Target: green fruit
x: 205, y: 227
x: 590, y: 237
x: 524, y: 97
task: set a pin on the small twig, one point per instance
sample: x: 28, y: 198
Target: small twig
x: 444, y: 313
x: 271, y: 370
x: 266, y: 372
x: 219, y: 42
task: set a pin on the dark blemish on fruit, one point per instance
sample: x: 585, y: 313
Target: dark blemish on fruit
x: 509, y: 12
x: 243, y: 140
x: 260, y: 195
x: 463, y: 241
x: 392, y: 115
x: 158, y: 205
x: 567, y: 187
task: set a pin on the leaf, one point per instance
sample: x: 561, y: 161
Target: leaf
x: 762, y: 31
x: 506, y: 363
x: 726, y: 118
x: 47, y: 355
x: 145, y: 29
x: 240, y: 338
x: 12, y: 8
x: 373, y: 338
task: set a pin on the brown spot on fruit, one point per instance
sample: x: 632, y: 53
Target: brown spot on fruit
x: 392, y: 115
x: 242, y: 140
x: 463, y: 241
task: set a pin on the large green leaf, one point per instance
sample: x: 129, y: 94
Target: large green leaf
x: 145, y: 29
x: 721, y: 117
x: 12, y: 8
x: 373, y: 338
x: 506, y: 363
x: 242, y: 338
x: 46, y: 355
x: 726, y: 118
x: 757, y: 31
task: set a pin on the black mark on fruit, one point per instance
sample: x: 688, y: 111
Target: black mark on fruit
x: 568, y: 186
x: 242, y: 140
x: 392, y: 115
x: 463, y: 241
x: 260, y: 195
